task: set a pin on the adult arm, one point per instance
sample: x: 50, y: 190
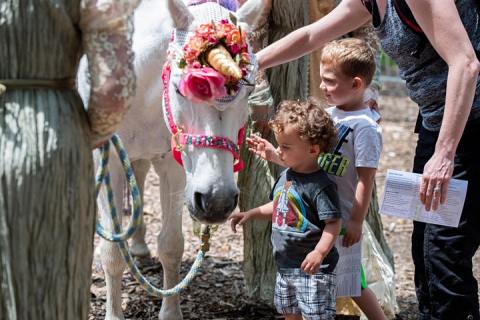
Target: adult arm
x: 347, y: 16
x: 443, y: 27
x: 107, y: 29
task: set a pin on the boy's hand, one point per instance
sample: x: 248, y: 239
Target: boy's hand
x: 262, y: 148
x: 238, y: 218
x: 312, y: 262
x: 353, y: 233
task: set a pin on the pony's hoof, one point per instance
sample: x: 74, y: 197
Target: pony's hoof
x: 140, y: 250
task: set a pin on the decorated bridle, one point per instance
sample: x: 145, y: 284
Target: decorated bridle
x: 180, y: 139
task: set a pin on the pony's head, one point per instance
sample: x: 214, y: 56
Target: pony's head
x: 205, y: 132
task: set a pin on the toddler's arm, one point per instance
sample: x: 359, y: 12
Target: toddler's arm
x: 314, y: 259
x: 261, y: 213
x: 363, y: 194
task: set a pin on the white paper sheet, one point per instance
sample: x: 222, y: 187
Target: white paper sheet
x: 348, y: 269
x: 401, y: 199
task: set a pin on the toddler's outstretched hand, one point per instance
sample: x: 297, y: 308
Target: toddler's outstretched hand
x: 353, y: 233
x: 238, y: 218
x: 262, y: 148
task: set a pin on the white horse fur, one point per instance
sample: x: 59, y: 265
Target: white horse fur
x: 206, y: 182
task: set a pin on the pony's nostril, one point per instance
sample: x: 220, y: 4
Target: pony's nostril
x: 199, y: 201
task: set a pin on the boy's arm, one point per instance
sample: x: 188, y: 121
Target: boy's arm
x: 363, y: 194
x: 261, y: 213
x: 314, y: 259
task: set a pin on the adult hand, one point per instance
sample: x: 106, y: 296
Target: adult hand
x: 436, y: 176
x: 98, y: 143
x: 97, y: 140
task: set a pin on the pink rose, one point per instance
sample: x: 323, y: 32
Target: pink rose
x: 200, y: 85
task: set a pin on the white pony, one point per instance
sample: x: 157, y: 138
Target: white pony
x: 206, y: 181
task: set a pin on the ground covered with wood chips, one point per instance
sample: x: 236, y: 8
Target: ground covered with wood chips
x: 218, y: 290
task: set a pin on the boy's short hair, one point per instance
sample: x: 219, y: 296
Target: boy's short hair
x: 310, y: 120
x: 353, y: 57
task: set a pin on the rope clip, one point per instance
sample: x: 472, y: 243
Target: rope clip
x: 205, y: 239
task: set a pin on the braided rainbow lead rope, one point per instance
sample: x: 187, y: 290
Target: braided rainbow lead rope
x: 150, y: 288
x: 103, y: 175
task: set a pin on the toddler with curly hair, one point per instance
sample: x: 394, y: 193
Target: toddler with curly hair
x: 304, y: 211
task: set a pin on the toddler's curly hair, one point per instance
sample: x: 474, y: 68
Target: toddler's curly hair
x: 310, y: 120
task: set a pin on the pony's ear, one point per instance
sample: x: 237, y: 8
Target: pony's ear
x: 251, y: 13
x: 179, y: 13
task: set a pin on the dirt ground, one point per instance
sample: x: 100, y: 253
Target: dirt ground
x: 218, y: 291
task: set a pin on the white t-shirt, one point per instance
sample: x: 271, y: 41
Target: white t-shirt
x: 359, y: 144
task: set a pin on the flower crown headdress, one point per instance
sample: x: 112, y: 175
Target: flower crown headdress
x: 214, y: 62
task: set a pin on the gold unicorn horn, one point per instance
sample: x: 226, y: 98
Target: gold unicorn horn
x: 221, y: 60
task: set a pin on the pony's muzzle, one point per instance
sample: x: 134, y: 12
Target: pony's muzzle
x: 215, y: 207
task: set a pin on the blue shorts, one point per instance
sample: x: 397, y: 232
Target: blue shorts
x: 312, y: 296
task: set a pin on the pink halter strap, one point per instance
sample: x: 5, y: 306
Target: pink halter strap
x: 180, y: 139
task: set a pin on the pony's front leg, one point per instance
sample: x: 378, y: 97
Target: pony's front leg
x: 170, y: 240
x: 138, y: 246
x: 112, y: 261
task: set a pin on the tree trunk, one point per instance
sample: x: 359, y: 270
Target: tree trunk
x: 259, y: 266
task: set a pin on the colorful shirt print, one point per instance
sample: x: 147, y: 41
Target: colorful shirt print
x: 289, y: 209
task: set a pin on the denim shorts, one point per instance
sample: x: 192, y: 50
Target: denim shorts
x: 312, y: 296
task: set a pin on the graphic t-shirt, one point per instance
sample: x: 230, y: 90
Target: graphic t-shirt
x: 301, y: 204
x: 359, y: 144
